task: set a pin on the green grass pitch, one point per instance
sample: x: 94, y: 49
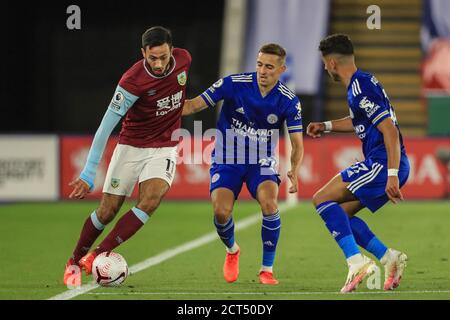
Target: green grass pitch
x: 37, y: 238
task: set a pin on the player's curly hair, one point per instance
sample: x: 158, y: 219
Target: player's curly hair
x: 336, y: 43
x: 156, y: 36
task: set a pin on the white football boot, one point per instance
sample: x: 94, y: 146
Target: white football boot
x: 394, y: 264
x: 359, y: 267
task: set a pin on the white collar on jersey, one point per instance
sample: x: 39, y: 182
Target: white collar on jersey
x: 161, y: 77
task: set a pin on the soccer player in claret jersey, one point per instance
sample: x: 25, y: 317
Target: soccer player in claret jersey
x: 150, y: 95
x: 256, y: 105
x: 369, y: 183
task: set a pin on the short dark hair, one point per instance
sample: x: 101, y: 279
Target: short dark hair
x: 336, y: 43
x: 273, y: 48
x: 156, y: 36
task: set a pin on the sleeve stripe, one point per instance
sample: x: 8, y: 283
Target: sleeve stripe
x: 380, y: 116
x: 358, y: 88
x: 295, y: 127
x: 209, y: 98
x: 286, y: 93
x: 210, y: 101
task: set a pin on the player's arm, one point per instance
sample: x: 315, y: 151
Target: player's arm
x: 315, y: 129
x: 392, y: 143
x: 121, y: 102
x: 218, y: 91
x: 296, y: 159
x: 294, y: 126
x: 193, y: 106
x: 85, y: 182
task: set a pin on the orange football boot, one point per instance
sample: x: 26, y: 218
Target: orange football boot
x: 231, y: 266
x: 266, y: 277
x: 72, y: 274
x: 87, y: 261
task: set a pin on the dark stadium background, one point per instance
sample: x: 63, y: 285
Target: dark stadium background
x: 61, y: 81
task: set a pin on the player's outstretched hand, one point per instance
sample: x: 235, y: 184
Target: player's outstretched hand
x: 315, y: 129
x: 393, y: 189
x: 80, y: 188
x: 294, y: 181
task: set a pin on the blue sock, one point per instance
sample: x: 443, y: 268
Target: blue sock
x: 337, y: 222
x: 366, y: 239
x: 226, y: 231
x: 270, y: 232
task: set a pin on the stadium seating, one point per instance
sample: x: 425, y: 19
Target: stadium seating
x: 393, y: 54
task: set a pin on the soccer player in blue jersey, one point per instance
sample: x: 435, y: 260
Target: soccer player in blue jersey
x: 369, y: 183
x: 256, y: 105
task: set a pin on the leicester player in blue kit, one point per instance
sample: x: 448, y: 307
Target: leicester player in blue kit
x: 369, y: 183
x: 256, y: 105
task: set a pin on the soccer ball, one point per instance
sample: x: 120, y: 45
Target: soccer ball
x: 109, y: 269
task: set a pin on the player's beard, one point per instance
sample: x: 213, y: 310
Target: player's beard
x: 162, y: 71
x: 334, y: 76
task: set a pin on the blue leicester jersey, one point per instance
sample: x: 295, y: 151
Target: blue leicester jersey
x: 369, y: 105
x: 249, y: 124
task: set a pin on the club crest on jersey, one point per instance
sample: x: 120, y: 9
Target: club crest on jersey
x: 115, y: 182
x: 182, y: 78
x: 369, y: 107
x: 272, y: 118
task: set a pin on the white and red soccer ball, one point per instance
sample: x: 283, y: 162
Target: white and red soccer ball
x: 109, y: 269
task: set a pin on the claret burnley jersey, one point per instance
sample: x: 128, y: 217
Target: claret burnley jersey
x: 152, y: 105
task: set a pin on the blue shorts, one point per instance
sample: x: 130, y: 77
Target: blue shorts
x: 232, y: 176
x: 368, y: 180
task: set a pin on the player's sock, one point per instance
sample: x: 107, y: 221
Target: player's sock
x: 92, y: 228
x: 226, y: 234
x: 366, y: 239
x: 128, y: 225
x: 337, y: 222
x: 270, y: 232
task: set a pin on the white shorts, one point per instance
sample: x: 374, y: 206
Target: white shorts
x: 130, y: 164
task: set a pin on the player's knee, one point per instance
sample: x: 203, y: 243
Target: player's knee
x: 318, y: 198
x: 106, y: 214
x: 222, y: 212
x: 269, y: 206
x: 149, y: 205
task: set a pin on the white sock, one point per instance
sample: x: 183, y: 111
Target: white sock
x: 265, y: 268
x: 355, y: 259
x: 233, y: 249
x: 384, y: 258
x: 390, y: 254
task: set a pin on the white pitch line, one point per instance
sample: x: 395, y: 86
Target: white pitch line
x: 165, y: 255
x: 269, y: 293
